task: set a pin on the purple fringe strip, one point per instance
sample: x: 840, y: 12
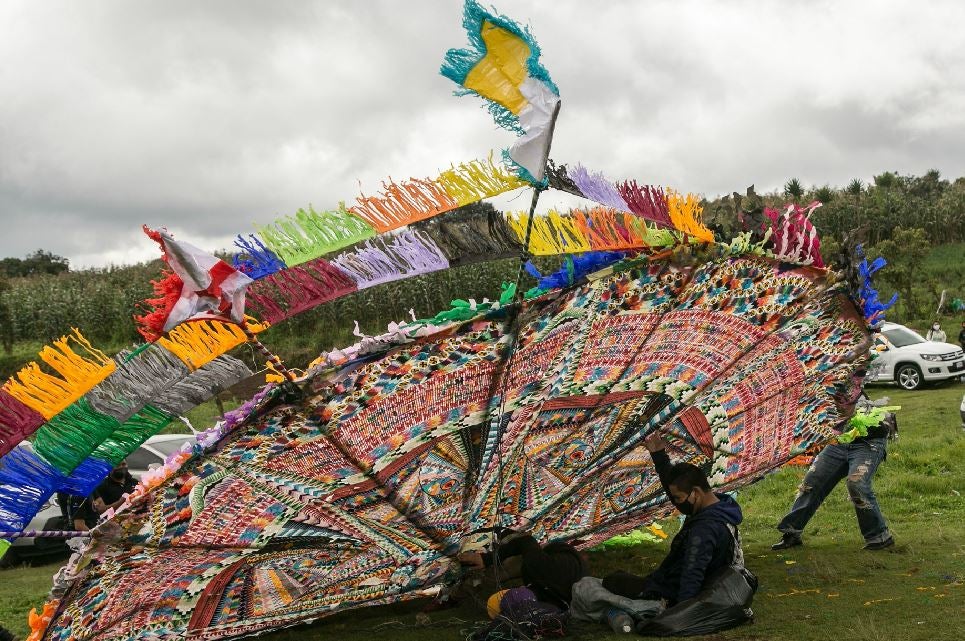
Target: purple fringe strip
x: 408, y: 253
x: 597, y: 188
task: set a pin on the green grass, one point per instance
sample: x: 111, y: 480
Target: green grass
x: 828, y: 590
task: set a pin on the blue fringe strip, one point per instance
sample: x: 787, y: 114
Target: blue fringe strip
x: 871, y: 306
x: 27, y: 482
x: 260, y: 261
x: 86, y: 477
x: 459, y: 62
x: 574, y: 268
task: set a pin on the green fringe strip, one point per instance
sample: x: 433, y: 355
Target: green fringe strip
x: 70, y: 437
x: 124, y: 440
x: 310, y: 234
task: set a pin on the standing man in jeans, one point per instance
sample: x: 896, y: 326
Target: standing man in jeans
x: 856, y: 461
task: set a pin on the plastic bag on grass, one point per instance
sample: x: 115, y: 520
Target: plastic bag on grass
x: 724, y: 603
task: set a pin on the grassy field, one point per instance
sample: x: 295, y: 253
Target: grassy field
x: 828, y: 589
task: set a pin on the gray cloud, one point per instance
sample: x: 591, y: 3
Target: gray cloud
x: 209, y: 117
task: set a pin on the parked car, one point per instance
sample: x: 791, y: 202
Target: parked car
x: 150, y: 454
x: 909, y: 360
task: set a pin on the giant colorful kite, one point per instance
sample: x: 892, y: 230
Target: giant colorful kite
x: 357, y: 484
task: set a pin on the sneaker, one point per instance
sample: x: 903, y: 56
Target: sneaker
x: 880, y: 545
x: 788, y: 540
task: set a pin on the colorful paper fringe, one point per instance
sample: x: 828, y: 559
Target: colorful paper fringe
x: 794, y: 236
x: 385, y: 259
x: 476, y: 180
x: 297, y: 289
x: 17, y: 421
x: 199, y: 342
x: 685, y: 214
x: 140, y: 376
x: 215, y: 377
x: 68, y: 438
x: 47, y: 394
x: 167, y: 291
x: 476, y: 232
x: 597, y: 188
x: 255, y: 259
x: 129, y: 436
x: 578, y: 231
x: 39, y: 621
x: 310, y: 234
x: 872, y: 307
x: 646, y: 201
x: 27, y: 482
x: 403, y: 203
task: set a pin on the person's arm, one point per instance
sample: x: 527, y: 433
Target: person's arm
x: 524, y: 545
x: 698, y: 554
x: 80, y: 525
x: 658, y: 453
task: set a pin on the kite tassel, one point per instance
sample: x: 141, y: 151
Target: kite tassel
x: 47, y: 394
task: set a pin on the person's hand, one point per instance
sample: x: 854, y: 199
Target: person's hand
x: 654, y: 442
x: 471, y: 559
x: 98, y: 505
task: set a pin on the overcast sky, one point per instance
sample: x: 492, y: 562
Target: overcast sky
x: 207, y: 117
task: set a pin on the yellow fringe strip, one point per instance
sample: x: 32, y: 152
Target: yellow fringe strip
x: 598, y: 229
x: 403, y: 203
x: 473, y: 181
x: 199, y: 342
x: 552, y: 234
x: 47, y: 394
x: 685, y: 212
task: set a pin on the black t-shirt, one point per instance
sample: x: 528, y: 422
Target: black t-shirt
x: 77, y: 507
x: 110, y: 490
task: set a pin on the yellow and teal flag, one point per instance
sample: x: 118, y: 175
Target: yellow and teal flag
x: 502, y: 66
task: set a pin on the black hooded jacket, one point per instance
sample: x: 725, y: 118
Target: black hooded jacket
x: 702, y: 546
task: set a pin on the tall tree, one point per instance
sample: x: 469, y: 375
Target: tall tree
x: 794, y: 189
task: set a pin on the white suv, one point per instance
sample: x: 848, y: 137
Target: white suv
x: 909, y: 360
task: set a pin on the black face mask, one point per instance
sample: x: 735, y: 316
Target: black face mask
x: 118, y: 475
x: 684, y: 507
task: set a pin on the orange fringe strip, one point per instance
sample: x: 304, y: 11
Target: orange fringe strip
x: 403, y: 203
x: 39, y: 622
x: 47, y: 394
x: 199, y: 342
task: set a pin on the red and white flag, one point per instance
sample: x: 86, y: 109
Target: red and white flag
x: 211, y: 289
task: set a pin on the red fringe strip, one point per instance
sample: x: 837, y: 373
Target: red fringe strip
x: 403, y: 203
x: 294, y: 290
x: 17, y: 421
x: 167, y: 291
x: 646, y: 201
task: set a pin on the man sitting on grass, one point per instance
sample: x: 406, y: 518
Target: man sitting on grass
x: 707, y: 541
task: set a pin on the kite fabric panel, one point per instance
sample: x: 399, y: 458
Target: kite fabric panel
x: 359, y: 489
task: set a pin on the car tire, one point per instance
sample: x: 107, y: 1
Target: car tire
x: 908, y: 376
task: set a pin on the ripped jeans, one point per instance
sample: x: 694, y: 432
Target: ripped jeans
x: 857, y: 463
